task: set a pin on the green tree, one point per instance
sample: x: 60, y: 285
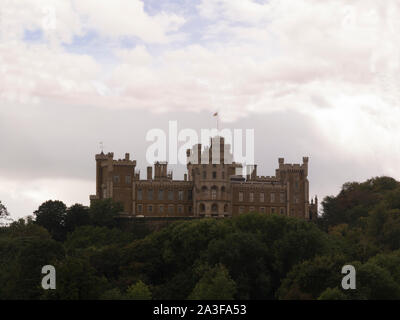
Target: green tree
x: 332, y: 294
x: 138, y: 291
x: 104, y: 212
x: 77, y: 280
x: 216, y: 284
x: 51, y: 215
x: 375, y: 283
x: 77, y: 215
x: 389, y: 261
x: 310, y: 278
x: 249, y: 261
x: 24, y: 249
x: 113, y: 294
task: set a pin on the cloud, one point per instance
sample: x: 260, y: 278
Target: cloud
x: 19, y: 195
x: 335, y: 62
x: 128, y: 18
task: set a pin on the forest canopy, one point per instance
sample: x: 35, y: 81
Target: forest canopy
x: 251, y: 256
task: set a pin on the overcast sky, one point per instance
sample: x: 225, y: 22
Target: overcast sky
x: 312, y: 78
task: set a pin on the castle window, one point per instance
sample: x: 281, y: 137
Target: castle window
x: 214, y: 175
x: 282, y: 197
x: 116, y: 179
x: 282, y: 210
x: 161, y: 209
x: 180, y: 195
x: 225, y: 208
x: 171, y: 209
x: 139, y: 208
x: 190, y: 209
x: 262, y: 209
x: 170, y: 195
x: 204, y: 175
x: 252, y: 209
x: 180, y: 209
x: 202, y: 207
x: 128, y: 179
x: 150, y: 194
x: 139, y: 194
x: 272, y: 210
x: 214, y: 193
x: 240, y: 196
x: 296, y: 199
x: 190, y: 195
x: 241, y: 209
x: 204, y: 190
x: 251, y: 197
x: 160, y: 194
x: 150, y: 208
x: 214, y: 208
x: 262, y: 197
x: 272, y: 197
x: 223, y: 192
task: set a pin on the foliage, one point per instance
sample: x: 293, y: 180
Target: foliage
x: 332, y: 294
x: 5, y: 218
x: 250, y: 256
x: 103, y: 212
x: 215, y: 284
x: 51, y: 215
x: 77, y: 215
x: 138, y: 291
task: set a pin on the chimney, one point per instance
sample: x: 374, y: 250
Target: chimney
x: 185, y: 177
x: 149, y: 173
x: 126, y: 156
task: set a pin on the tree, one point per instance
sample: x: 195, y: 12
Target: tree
x: 216, y: 284
x: 332, y: 294
x: 24, y: 249
x: 138, y: 291
x: 249, y: 261
x: 390, y: 262
x: 77, y: 215
x: 51, y: 215
x: 104, y: 212
x: 77, y: 280
x: 375, y: 283
x: 310, y: 278
x: 113, y: 294
x: 4, y: 216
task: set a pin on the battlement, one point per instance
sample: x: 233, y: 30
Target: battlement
x: 110, y: 157
x: 293, y: 167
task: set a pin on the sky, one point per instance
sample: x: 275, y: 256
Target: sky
x: 312, y: 78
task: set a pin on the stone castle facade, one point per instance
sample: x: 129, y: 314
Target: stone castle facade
x: 213, y: 186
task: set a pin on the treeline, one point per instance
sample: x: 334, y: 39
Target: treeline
x: 252, y: 256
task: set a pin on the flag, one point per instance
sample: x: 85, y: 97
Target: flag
x: 215, y: 114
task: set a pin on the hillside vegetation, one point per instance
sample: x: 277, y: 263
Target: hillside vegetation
x: 252, y: 256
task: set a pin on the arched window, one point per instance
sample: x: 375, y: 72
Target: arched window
x: 213, y: 192
x: 214, y: 208
x: 225, y: 208
x: 202, y: 207
x: 204, y: 190
x: 223, y: 192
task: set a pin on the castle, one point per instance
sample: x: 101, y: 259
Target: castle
x: 213, y: 186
